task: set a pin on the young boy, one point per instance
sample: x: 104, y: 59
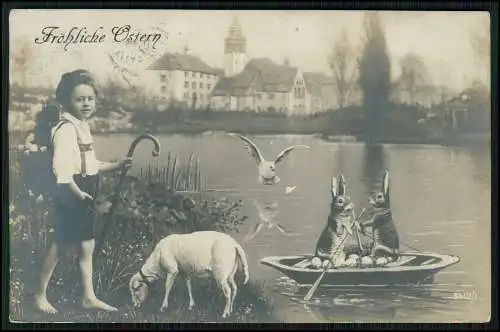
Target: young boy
x: 75, y: 167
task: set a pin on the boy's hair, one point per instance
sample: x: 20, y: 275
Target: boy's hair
x: 70, y: 80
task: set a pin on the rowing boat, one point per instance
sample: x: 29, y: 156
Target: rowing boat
x: 409, y: 268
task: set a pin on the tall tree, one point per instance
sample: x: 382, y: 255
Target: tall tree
x: 374, y: 77
x: 344, y: 66
x: 414, y: 78
x: 480, y: 41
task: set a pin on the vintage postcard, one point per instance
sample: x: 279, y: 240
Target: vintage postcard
x: 249, y: 166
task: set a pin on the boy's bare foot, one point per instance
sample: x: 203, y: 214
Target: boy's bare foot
x: 44, y: 305
x: 97, y: 304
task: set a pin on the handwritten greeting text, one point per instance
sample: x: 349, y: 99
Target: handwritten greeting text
x: 82, y: 35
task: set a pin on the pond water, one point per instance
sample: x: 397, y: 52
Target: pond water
x: 440, y: 198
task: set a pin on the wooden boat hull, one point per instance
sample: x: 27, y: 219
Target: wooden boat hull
x: 420, y: 268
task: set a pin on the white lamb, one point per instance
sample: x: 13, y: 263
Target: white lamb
x: 198, y: 254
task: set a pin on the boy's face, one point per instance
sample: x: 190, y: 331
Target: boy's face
x: 82, y: 102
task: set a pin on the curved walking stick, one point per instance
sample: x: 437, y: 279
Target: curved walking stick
x: 114, y: 202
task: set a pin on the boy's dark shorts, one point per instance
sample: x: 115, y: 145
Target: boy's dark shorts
x: 74, y: 218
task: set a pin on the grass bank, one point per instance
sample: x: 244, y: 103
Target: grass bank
x: 151, y: 209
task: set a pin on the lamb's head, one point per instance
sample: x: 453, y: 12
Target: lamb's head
x: 139, y: 288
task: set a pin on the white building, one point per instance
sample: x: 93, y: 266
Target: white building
x: 182, y: 80
x: 261, y: 85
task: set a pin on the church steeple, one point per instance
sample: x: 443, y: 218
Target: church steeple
x: 235, y: 47
x: 235, y: 42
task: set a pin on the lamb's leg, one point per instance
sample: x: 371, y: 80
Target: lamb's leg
x: 188, y: 285
x: 234, y: 290
x: 168, y: 286
x: 224, y: 285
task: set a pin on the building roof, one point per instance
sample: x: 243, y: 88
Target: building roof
x: 462, y: 102
x: 260, y: 73
x: 315, y: 81
x: 185, y: 62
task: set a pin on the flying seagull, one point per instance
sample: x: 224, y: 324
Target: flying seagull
x: 267, y: 169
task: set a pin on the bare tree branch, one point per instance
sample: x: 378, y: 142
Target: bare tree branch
x: 343, y: 64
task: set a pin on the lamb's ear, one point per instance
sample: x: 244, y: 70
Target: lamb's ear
x: 342, y: 185
x: 334, y: 187
x: 386, y: 185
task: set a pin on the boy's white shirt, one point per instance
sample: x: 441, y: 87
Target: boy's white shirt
x: 66, y: 158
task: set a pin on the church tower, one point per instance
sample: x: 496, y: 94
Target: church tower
x: 235, y: 57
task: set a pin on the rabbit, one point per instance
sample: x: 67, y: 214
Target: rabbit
x: 385, y: 235
x: 339, y: 221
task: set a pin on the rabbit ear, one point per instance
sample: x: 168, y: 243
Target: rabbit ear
x: 342, y: 185
x: 334, y: 186
x: 386, y: 184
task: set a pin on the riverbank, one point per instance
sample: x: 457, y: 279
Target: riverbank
x: 401, y: 124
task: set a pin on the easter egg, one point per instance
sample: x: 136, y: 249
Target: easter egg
x: 316, y: 262
x: 366, y: 261
x: 354, y: 256
x: 326, y: 264
x: 338, y: 263
x: 351, y: 262
x: 381, y: 261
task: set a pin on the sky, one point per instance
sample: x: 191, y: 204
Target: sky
x: 441, y: 39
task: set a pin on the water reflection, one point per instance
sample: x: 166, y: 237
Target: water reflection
x: 374, y: 164
x: 441, y: 203
x: 370, y: 304
x: 268, y: 211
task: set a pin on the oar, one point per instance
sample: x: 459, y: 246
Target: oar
x: 356, y: 223
x: 318, y: 281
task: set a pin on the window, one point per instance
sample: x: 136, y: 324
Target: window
x: 271, y: 95
x: 163, y: 78
x: 186, y: 74
x: 299, y: 93
x: 258, y: 96
x: 201, y: 85
x: 193, y: 74
x: 201, y: 75
x: 193, y: 85
x: 208, y: 86
x: 163, y: 89
x: 186, y: 84
x: 186, y: 96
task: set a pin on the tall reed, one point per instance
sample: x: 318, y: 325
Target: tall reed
x: 175, y: 175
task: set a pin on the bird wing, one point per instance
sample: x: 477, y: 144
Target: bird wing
x: 251, y: 147
x: 284, y: 154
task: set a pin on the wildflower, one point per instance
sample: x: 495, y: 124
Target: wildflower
x: 39, y: 199
x: 30, y: 193
x: 12, y: 207
x: 43, y: 148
